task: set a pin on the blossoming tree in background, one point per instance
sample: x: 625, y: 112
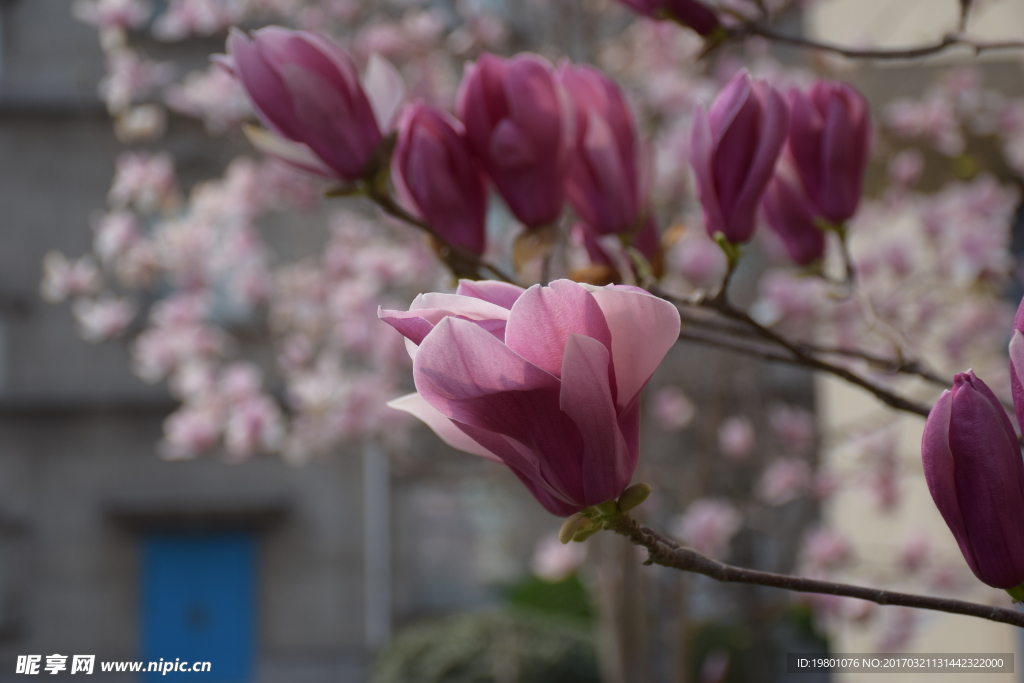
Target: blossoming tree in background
x: 562, y: 225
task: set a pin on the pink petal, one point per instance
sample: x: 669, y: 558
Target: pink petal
x: 534, y: 101
x: 413, y: 325
x: 1017, y: 373
x: 774, y: 127
x: 385, y: 90
x: 499, y: 293
x: 473, y: 378
x: 542, y: 319
x: 587, y: 399
x: 292, y: 153
x: 636, y: 356
x: 441, y: 425
x: 805, y: 127
x: 532, y: 471
x: 728, y: 103
x: 701, y: 153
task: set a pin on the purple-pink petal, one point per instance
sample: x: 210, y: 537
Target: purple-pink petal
x: 543, y: 318
x: 588, y: 400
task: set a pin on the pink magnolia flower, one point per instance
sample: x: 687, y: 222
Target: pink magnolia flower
x: 604, y: 184
x: 974, y: 471
x: 692, y: 13
x: 545, y: 380
x: 829, y: 141
x: 437, y: 175
x: 519, y: 122
x: 307, y: 91
x: 733, y: 150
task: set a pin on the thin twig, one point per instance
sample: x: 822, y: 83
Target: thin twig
x: 913, y: 367
x: 965, y: 12
x: 940, y: 45
x: 722, y: 304
x: 796, y: 353
x: 667, y: 553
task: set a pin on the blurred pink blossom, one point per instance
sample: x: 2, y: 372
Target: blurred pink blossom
x: 914, y: 552
x: 708, y: 526
x: 715, y: 667
x: 554, y: 561
x: 114, y: 234
x: 900, y: 627
x: 698, y: 259
x: 253, y: 425
x: 823, y: 550
x: 785, y: 297
x: 131, y: 77
x: 189, y: 431
x: 672, y: 408
x: 103, y: 318
x: 213, y: 95
x: 63, y: 278
x: 794, y: 426
x: 112, y: 14
x: 184, y: 18
x: 784, y: 480
x: 736, y: 437
x: 905, y: 168
x: 934, y: 119
x: 145, y: 181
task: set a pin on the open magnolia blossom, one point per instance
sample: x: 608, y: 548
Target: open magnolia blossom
x: 546, y: 380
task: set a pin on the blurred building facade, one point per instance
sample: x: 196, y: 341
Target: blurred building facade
x: 106, y: 549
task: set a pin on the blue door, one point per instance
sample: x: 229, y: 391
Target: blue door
x: 198, y: 604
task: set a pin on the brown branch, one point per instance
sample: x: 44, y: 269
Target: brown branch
x: 667, y: 553
x: 941, y: 45
x: 911, y: 367
x: 793, y: 353
x: 801, y: 357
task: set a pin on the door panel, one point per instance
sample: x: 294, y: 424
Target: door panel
x: 198, y: 604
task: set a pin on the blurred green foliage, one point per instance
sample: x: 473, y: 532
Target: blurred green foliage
x: 501, y: 647
x: 565, y: 598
